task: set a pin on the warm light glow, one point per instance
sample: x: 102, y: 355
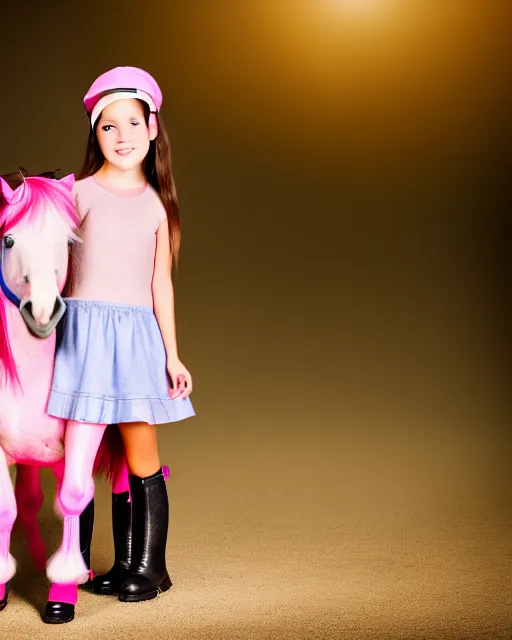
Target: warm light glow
x: 378, y: 14
x: 357, y: 3
x: 359, y: 7
x: 375, y: 73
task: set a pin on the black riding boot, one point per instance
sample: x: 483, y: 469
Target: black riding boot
x: 150, y: 519
x: 86, y: 529
x: 110, y: 582
x: 61, y: 612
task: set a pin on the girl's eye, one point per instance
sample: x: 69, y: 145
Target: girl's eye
x: 8, y: 242
x: 135, y: 123
x: 70, y: 242
x: 107, y: 127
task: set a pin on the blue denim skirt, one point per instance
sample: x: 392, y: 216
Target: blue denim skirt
x: 110, y: 367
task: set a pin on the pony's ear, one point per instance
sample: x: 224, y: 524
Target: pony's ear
x: 6, y: 191
x: 68, y: 181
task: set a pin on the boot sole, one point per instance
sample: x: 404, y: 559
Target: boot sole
x: 142, y: 597
x: 105, y: 592
x: 54, y: 620
x: 3, y: 603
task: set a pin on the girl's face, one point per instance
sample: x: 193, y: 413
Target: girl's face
x: 123, y: 135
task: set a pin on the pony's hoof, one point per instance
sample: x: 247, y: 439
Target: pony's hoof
x: 58, y: 613
x: 3, y: 597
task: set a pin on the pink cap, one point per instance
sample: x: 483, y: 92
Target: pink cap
x: 122, y: 83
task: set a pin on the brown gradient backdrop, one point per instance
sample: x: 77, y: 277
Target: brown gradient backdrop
x: 342, y: 296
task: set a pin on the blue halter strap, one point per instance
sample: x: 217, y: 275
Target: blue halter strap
x: 12, y: 297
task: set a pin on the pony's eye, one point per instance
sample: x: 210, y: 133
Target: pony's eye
x: 70, y: 242
x: 8, y: 242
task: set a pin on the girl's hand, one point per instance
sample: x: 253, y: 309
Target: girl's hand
x: 181, y: 379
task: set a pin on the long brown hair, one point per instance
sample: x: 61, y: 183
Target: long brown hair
x: 157, y: 168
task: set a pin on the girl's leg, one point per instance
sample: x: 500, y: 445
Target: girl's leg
x: 109, y: 583
x: 141, y: 448
x: 29, y: 499
x: 150, y: 515
x: 81, y: 444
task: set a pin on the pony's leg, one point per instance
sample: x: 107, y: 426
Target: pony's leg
x: 29, y: 499
x: 7, y: 518
x: 81, y: 444
x: 60, y: 607
x: 86, y: 518
x: 62, y: 598
x: 58, y: 473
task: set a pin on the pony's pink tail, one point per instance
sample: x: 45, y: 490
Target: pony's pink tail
x: 110, y: 458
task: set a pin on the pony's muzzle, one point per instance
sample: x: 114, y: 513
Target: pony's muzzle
x: 42, y: 330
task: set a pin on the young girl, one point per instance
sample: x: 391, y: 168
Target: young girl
x: 117, y: 360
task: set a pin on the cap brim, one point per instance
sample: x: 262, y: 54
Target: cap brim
x: 109, y: 98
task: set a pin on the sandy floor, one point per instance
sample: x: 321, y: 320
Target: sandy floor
x: 315, y: 540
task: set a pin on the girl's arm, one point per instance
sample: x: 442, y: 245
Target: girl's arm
x: 163, y: 291
x: 163, y: 304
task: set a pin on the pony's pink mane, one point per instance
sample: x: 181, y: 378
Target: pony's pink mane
x: 33, y: 195
x: 29, y: 200
x: 8, y: 371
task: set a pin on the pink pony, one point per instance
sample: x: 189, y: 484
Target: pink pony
x: 37, y: 222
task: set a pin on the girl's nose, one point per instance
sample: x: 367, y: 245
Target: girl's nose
x: 123, y: 134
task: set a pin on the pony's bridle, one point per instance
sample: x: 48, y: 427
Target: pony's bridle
x: 25, y: 308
